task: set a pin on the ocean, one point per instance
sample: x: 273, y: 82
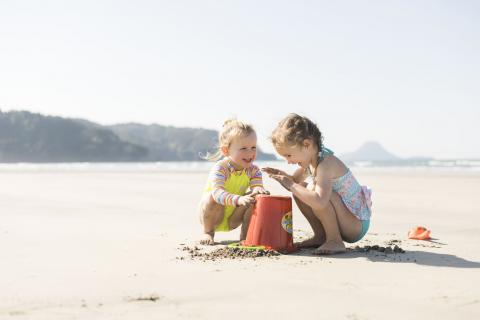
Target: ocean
x: 460, y: 165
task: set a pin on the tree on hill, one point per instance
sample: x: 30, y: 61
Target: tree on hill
x: 30, y: 137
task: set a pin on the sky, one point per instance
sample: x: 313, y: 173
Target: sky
x: 403, y: 73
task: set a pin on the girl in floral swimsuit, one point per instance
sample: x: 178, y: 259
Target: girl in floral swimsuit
x: 334, y: 203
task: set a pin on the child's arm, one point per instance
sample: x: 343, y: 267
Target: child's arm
x: 256, y: 181
x: 255, y: 175
x: 299, y: 175
x: 317, y: 198
x: 217, y: 178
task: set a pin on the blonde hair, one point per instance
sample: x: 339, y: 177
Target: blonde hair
x: 231, y: 130
x: 294, y: 129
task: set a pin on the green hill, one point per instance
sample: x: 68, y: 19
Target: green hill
x: 168, y: 143
x: 31, y: 137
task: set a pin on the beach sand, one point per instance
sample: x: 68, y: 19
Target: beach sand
x: 107, y: 245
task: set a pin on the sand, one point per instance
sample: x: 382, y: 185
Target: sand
x: 108, y: 245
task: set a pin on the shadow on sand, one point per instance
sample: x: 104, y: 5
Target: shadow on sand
x: 418, y: 257
x: 425, y: 258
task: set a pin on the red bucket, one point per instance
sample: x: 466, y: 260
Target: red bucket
x: 271, y: 224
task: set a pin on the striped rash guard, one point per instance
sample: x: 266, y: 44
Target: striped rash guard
x: 227, y: 185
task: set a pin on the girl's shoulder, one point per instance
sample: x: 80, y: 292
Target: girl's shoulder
x: 222, y: 162
x: 253, y: 171
x: 220, y: 165
x: 332, y: 166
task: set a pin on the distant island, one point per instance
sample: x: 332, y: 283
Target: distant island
x: 32, y: 137
x: 374, y: 152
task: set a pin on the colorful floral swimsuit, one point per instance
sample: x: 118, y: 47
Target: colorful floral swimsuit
x: 357, y: 198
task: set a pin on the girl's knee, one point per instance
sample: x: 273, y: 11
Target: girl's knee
x: 210, y: 210
x: 249, y: 211
x: 207, y: 203
x: 211, y: 219
x: 233, y: 226
x: 238, y: 217
x: 327, y: 209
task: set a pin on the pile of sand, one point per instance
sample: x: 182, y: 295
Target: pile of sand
x: 196, y: 253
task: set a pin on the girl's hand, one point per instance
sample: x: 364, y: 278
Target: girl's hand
x: 258, y: 190
x: 285, y: 180
x: 271, y: 171
x: 246, y: 200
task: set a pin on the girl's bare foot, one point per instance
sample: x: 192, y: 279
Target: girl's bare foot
x: 313, y: 242
x: 207, y: 239
x: 331, y: 247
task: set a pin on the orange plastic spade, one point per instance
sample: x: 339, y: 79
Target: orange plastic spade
x: 419, y: 233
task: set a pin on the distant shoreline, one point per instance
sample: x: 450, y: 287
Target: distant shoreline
x: 467, y: 166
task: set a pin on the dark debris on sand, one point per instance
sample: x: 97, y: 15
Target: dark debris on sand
x: 152, y: 298
x: 386, y: 249
x: 195, y: 253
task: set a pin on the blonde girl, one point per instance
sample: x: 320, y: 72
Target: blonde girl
x: 233, y: 182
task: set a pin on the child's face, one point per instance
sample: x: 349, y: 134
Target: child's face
x: 296, y: 154
x: 243, y: 151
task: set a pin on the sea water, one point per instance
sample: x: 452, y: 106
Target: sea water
x: 459, y: 165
